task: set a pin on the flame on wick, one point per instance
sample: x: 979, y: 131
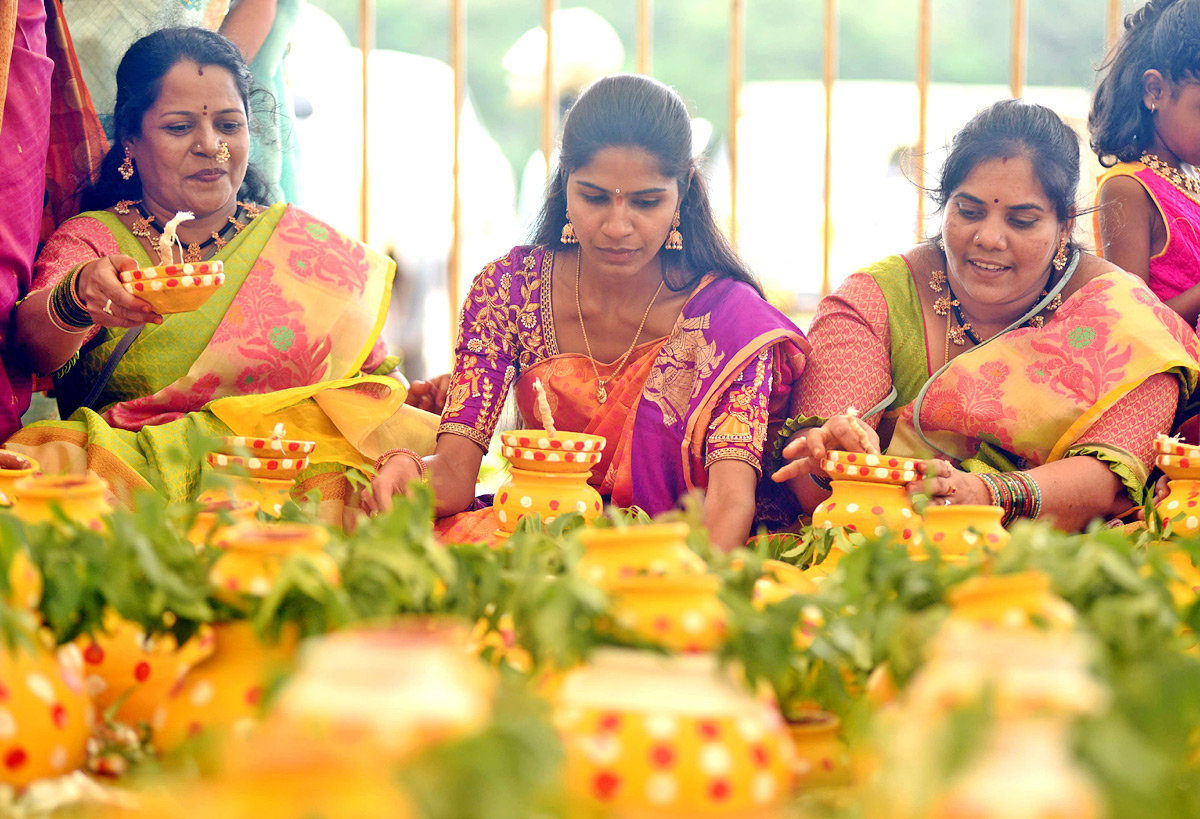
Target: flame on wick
x: 543, y: 406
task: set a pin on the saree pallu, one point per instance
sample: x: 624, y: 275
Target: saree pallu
x: 661, y: 405
x: 25, y: 72
x: 283, y: 340
x: 1030, y: 396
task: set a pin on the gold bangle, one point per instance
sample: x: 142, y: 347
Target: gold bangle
x: 421, y: 465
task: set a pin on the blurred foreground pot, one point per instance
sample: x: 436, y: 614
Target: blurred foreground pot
x: 224, y: 691
x: 45, y: 715
x: 252, y: 556
x: 621, y: 552
x: 124, y: 667
x: 396, y: 689
x: 82, y: 498
x: 13, y: 468
x: 669, y: 736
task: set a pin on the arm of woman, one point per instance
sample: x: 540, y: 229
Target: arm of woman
x: 451, y: 471
x: 248, y: 23
x: 1088, y: 482
x: 46, y: 343
x: 1132, y: 230
x: 849, y: 366
x: 729, y: 503
x: 484, y: 367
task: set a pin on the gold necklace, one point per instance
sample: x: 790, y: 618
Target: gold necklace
x: 958, y: 329
x: 601, y: 392
x: 1189, y: 186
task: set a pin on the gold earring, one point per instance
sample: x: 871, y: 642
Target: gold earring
x: 674, y: 238
x: 222, y: 154
x: 568, y: 233
x: 126, y: 169
x: 941, y: 244
x: 1060, y: 258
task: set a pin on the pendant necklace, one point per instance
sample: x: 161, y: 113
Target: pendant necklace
x: 601, y: 391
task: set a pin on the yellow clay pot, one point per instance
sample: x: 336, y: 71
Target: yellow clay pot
x: 45, y: 715
x: 869, y: 509
x: 957, y: 529
x: 82, y: 498
x: 627, y: 551
x: 821, y: 756
x: 396, y: 689
x: 278, y: 772
x: 252, y: 556
x: 548, y: 494
x: 223, y: 691
x: 649, y: 735
x: 1186, y: 586
x: 123, y: 665
x: 209, y: 525
x: 679, y: 612
x: 1181, y: 506
x: 24, y: 582
x: 1022, y: 600
x: 14, y: 467
x: 268, y: 494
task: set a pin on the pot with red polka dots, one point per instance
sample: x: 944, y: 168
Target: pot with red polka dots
x: 224, y: 691
x: 868, y: 508
x: 124, y: 667
x: 621, y: 552
x: 45, y: 714
x: 252, y: 556
x: 957, y: 530
x: 679, y: 612
x: 648, y: 734
x: 822, y: 758
x: 548, y: 494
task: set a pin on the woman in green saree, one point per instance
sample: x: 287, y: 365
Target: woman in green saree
x: 287, y: 338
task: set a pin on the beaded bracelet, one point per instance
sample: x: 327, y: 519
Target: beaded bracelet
x: 421, y: 465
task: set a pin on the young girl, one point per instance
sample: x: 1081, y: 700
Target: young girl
x: 1145, y: 126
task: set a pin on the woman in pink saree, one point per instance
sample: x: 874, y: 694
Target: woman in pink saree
x: 640, y: 320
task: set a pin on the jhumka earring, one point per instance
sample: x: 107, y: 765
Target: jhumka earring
x: 941, y: 243
x: 222, y: 154
x: 674, y: 238
x: 568, y: 233
x: 1060, y: 258
x: 126, y: 168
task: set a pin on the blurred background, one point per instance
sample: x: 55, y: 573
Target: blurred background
x: 873, y: 203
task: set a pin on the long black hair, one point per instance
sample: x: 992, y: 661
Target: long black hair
x: 1011, y: 128
x: 635, y: 111
x: 1163, y: 35
x: 139, y: 82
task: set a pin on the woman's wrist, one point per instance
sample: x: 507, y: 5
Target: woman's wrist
x: 422, y: 467
x: 64, y: 307
x: 1017, y: 493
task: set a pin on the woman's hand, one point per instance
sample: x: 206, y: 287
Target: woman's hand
x: 808, y: 447
x: 99, y: 288
x: 429, y: 395
x: 394, y: 477
x: 946, y: 485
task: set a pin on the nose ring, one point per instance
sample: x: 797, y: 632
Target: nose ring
x: 222, y: 154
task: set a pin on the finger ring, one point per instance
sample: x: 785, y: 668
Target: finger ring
x: 107, y: 307
x: 953, y: 490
